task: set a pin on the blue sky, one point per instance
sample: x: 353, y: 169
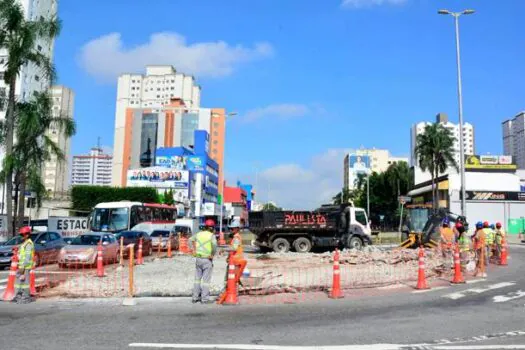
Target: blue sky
x: 310, y: 79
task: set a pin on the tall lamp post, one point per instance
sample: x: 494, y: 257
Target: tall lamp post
x: 222, y: 170
x: 456, y: 16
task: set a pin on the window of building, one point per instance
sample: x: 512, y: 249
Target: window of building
x: 37, y: 78
x: 39, y: 47
x: 158, y: 89
x: 214, y: 151
x: 158, y: 96
x: 215, y: 125
x: 215, y: 142
x: 215, y: 133
x: 173, y: 88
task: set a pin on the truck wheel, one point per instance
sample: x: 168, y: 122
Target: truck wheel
x: 302, y: 245
x: 355, y: 243
x: 281, y: 245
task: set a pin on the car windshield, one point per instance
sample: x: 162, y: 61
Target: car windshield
x: 86, y: 240
x: 18, y: 239
x: 128, y: 234
x: 160, y: 234
x: 114, y: 219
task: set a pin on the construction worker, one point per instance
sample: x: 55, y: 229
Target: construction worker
x: 479, y: 245
x: 500, y: 237
x: 464, y: 245
x: 489, y: 241
x: 204, y: 246
x: 447, y: 241
x: 26, y: 252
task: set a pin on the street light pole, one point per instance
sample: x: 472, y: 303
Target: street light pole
x: 456, y: 16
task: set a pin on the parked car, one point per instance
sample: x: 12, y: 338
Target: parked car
x: 133, y: 237
x: 47, y: 248
x: 83, y: 250
x: 162, y: 237
x: 68, y: 239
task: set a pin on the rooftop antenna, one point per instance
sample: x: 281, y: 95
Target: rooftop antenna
x: 98, y: 142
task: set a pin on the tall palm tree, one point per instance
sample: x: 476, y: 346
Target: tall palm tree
x: 435, y: 153
x: 19, y: 37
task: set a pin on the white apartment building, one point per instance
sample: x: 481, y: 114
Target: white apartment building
x: 151, y: 91
x: 92, y: 169
x: 468, y: 137
x: 514, y: 139
x: 55, y: 172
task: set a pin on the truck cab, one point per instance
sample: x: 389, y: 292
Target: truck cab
x: 356, y: 228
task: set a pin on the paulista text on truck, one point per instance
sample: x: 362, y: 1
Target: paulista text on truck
x: 330, y: 226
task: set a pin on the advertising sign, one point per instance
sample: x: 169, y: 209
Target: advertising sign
x: 359, y: 164
x: 196, y: 163
x: 174, y: 162
x: 490, y: 163
x: 208, y: 209
x: 495, y: 196
x: 68, y: 226
x: 158, y: 177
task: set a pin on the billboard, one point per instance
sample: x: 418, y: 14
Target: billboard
x: 68, y: 226
x: 173, y: 162
x: 494, y: 196
x: 196, y: 163
x: 489, y: 163
x: 359, y: 164
x: 158, y: 177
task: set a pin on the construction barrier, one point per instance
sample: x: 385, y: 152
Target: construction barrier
x: 9, y: 292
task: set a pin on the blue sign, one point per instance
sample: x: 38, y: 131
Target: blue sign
x: 196, y: 163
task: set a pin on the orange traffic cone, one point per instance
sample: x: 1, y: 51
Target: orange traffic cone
x: 336, y: 285
x: 458, y: 276
x: 140, y: 259
x: 503, y: 259
x: 100, y: 261
x: 183, y: 245
x: 421, y: 280
x: 222, y: 241
x: 231, y: 285
x: 169, y: 247
x: 9, y: 293
x: 32, y: 278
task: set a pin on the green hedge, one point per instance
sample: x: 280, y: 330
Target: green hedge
x: 84, y: 198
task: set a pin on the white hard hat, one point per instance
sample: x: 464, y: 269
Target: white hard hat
x: 235, y: 224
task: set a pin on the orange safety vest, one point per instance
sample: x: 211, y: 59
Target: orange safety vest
x: 480, y: 239
x: 447, y: 237
x: 236, y: 244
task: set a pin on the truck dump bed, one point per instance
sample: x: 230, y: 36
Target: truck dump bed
x: 293, y: 220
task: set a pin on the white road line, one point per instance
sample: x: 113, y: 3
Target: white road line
x: 479, y: 347
x: 475, y: 281
x: 267, y: 347
x: 509, y: 296
x: 430, y: 290
x: 4, y: 280
x: 459, y: 295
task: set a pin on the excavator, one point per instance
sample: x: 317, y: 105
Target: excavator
x: 421, y: 226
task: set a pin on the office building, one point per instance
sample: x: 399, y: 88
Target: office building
x: 367, y: 161
x: 145, y: 129
x: 55, y: 172
x: 514, y: 139
x: 92, y: 169
x: 442, y: 118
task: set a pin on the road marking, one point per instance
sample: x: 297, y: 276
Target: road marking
x: 430, y: 290
x: 459, y: 295
x: 4, y: 280
x: 475, y: 281
x: 510, y: 296
x: 268, y: 347
x: 478, y: 347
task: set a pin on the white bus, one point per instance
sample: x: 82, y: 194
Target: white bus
x: 126, y: 215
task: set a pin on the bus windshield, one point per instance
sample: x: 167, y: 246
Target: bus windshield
x: 110, y: 219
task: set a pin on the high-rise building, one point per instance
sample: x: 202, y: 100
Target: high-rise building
x: 92, y: 169
x: 468, y: 137
x: 56, y: 172
x: 514, y: 139
x: 160, y: 109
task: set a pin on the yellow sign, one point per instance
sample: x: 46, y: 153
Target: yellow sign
x: 489, y: 163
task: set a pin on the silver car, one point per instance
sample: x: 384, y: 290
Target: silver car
x: 83, y: 250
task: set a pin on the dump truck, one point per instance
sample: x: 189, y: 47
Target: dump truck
x: 330, y: 226
x: 421, y: 226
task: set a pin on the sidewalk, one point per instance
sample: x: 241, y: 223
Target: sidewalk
x: 514, y: 239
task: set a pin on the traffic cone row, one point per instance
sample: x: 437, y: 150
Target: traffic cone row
x: 504, y: 254
x: 140, y: 259
x: 336, y: 285
x: 32, y: 278
x: 458, y: 276
x: 169, y: 254
x: 9, y: 293
x: 231, y: 285
x: 183, y: 245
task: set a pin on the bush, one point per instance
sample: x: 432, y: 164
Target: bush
x: 84, y: 198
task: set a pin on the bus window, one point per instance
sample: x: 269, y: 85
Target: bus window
x: 148, y: 214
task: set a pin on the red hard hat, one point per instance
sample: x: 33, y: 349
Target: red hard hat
x: 459, y: 224
x: 486, y: 224
x: 209, y: 223
x: 25, y: 230
x: 498, y: 224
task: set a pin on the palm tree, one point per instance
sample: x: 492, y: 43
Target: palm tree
x: 343, y: 197
x: 435, y: 153
x: 34, y: 147
x: 19, y: 38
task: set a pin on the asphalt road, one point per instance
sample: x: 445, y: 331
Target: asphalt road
x: 487, y: 314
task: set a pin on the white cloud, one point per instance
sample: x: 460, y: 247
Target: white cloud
x: 277, y: 111
x: 355, y: 4
x: 293, y: 186
x: 107, y: 56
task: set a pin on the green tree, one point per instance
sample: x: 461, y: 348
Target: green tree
x: 168, y: 197
x: 435, y: 153
x: 19, y: 37
x: 271, y: 207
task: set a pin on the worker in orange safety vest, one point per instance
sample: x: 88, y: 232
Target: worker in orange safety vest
x: 447, y: 241
x: 238, y: 256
